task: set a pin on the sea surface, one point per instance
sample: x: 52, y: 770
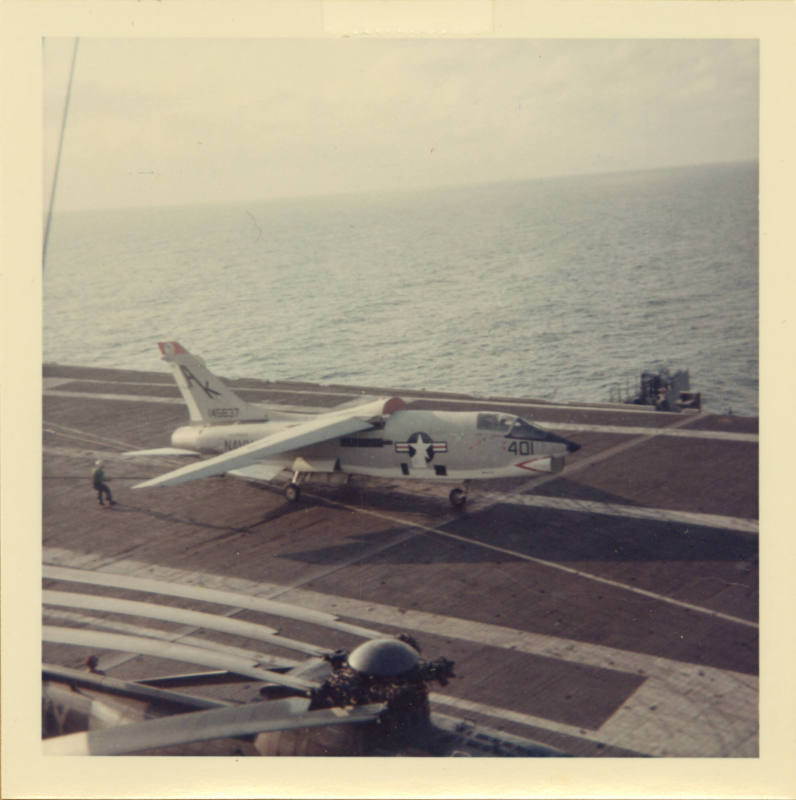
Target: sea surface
x: 553, y: 289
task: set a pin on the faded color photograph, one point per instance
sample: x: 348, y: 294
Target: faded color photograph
x: 400, y: 397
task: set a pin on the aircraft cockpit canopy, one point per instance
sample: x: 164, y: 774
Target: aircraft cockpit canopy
x: 517, y: 428
x: 509, y: 425
x: 521, y: 429
x: 501, y: 423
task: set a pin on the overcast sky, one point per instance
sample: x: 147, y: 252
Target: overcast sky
x: 169, y: 121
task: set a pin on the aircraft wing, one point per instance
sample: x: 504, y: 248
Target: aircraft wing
x: 259, y: 472
x: 319, y: 429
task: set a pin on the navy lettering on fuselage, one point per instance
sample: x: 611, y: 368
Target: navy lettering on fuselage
x: 191, y: 378
x: 234, y: 444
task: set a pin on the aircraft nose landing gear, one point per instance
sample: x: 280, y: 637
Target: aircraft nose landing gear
x: 292, y: 490
x: 458, y: 497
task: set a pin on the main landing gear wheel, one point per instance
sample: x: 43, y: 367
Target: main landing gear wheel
x: 457, y: 497
x: 292, y: 492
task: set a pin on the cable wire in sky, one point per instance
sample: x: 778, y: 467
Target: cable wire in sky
x: 58, y: 157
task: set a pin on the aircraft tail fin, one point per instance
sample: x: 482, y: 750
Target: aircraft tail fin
x: 208, y: 398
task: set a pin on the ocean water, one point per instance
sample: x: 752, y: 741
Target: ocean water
x: 554, y: 289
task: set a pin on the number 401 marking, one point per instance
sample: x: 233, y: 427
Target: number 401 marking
x: 523, y: 448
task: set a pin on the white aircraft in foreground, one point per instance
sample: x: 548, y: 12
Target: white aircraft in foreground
x: 378, y: 437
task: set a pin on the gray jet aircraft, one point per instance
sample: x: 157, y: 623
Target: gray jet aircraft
x: 378, y: 437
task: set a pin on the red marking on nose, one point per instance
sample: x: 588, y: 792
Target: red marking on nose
x: 524, y: 465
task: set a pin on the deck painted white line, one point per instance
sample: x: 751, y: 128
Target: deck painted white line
x: 628, y: 430
x: 168, y: 380
x: 552, y: 564
x: 457, y: 724
x: 128, y: 573
x: 579, y: 506
x: 89, y: 442
x: 715, y: 709
x: 604, y: 408
x: 602, y: 455
x: 671, y: 721
x: 93, y: 451
x: 460, y: 704
x: 732, y: 523
x: 142, y: 398
x: 67, y: 431
x: 49, y: 384
x: 621, y: 510
x: 621, y: 430
x: 178, y: 401
x: 656, y: 720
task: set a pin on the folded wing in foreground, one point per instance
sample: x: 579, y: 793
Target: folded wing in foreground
x: 320, y: 429
x: 259, y: 472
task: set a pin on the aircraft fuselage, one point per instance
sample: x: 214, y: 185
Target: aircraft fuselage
x: 444, y: 445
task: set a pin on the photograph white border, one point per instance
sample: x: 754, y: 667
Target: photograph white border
x: 25, y: 772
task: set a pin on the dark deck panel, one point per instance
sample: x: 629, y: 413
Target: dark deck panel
x: 699, y: 475
x: 726, y: 422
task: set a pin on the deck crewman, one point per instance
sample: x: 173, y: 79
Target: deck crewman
x: 98, y: 481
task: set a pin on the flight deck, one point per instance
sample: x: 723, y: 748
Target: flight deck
x: 608, y: 610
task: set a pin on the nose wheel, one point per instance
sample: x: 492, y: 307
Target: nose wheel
x: 292, y: 490
x: 458, y: 497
